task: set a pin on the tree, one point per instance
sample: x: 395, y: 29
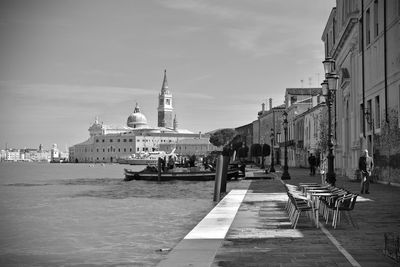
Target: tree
x: 222, y: 137
x: 236, y: 143
x: 243, y: 152
x: 256, y: 150
x: 266, y: 150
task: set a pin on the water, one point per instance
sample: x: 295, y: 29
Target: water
x: 81, y: 214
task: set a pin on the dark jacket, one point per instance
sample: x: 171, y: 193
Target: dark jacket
x: 312, y: 160
x: 365, y: 164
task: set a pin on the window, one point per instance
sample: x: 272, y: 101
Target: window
x: 124, y: 149
x: 327, y: 45
x: 130, y: 140
x: 333, y: 31
x: 119, y: 150
x: 367, y: 27
x: 111, y: 140
x: 102, y: 140
x: 124, y: 140
x: 119, y: 140
x: 369, y: 109
x: 376, y: 18
x: 377, y: 113
x: 104, y: 150
x: 97, y: 140
x: 360, y: 36
x: 168, y: 101
x: 398, y: 7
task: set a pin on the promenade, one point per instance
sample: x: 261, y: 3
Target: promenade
x: 250, y: 227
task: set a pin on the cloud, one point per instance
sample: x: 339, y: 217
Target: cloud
x: 64, y: 93
x: 253, y: 28
x: 203, y: 8
x: 194, y: 95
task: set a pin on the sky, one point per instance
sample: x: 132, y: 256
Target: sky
x: 64, y: 63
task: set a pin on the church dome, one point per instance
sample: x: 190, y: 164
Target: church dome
x: 136, y: 119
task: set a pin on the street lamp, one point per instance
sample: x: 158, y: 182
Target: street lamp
x: 285, y: 174
x: 278, y: 137
x: 329, y: 87
x: 272, y: 169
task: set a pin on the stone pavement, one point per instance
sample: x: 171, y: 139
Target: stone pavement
x: 260, y: 234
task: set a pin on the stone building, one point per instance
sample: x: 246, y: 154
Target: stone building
x: 108, y: 143
x: 363, y: 37
x: 298, y: 101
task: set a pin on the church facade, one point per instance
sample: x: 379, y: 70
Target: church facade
x: 107, y: 143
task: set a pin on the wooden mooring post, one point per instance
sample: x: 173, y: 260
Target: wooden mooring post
x: 218, y: 178
x: 225, y: 164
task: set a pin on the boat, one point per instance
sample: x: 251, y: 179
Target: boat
x: 148, y: 158
x: 150, y: 173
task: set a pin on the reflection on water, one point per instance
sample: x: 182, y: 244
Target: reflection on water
x: 75, y: 214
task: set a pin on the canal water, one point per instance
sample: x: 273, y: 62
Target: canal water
x: 85, y: 214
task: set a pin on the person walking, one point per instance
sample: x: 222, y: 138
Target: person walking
x: 365, y: 165
x: 312, y: 161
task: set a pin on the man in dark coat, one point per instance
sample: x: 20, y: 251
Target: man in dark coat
x: 312, y: 161
x: 365, y: 165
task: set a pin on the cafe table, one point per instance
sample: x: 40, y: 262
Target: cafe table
x: 315, y: 196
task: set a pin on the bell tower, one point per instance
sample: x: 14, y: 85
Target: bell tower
x: 165, y: 107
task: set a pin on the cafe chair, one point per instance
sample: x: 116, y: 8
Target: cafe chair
x: 344, y: 205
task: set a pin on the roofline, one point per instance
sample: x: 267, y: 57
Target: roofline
x: 328, y: 23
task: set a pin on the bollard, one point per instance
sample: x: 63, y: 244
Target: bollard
x: 218, y: 177
x: 224, y: 176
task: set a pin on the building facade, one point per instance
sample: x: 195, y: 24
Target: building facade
x: 297, y: 102
x: 108, y: 143
x: 363, y: 37
x: 165, y: 108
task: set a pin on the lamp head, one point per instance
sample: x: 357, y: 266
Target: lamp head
x: 333, y: 80
x: 329, y: 65
x: 325, y: 89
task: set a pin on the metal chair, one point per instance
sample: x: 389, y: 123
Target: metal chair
x: 344, y: 204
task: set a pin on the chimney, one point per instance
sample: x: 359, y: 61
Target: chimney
x: 263, y: 107
x: 270, y: 103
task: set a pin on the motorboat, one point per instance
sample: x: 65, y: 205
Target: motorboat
x: 187, y: 174
x: 147, y: 158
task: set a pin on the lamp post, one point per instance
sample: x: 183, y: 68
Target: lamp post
x: 272, y: 169
x: 285, y: 174
x: 262, y: 153
x: 278, y: 137
x: 329, y: 87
